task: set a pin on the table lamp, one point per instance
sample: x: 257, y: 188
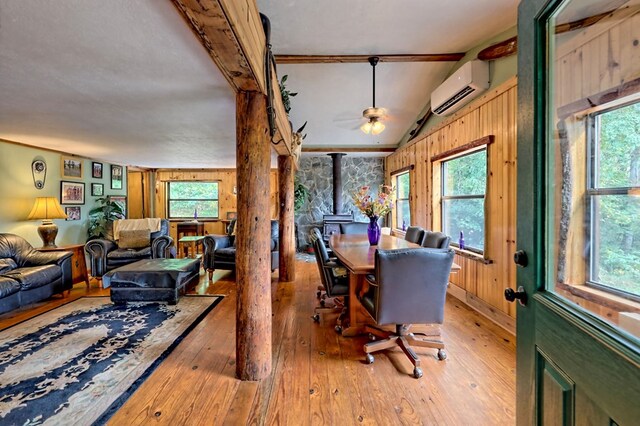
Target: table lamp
x: 47, y: 208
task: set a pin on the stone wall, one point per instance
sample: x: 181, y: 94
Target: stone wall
x: 316, y: 173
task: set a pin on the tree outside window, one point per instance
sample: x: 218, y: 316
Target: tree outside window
x: 464, y: 183
x: 403, y: 209
x: 198, y: 200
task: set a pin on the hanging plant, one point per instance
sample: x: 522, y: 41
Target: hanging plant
x: 286, y: 94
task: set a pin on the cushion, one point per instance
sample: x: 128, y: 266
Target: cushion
x: 35, y: 276
x: 132, y: 239
x: 8, y: 287
x: 7, y: 265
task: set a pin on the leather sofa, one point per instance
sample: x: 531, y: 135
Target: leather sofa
x: 105, y: 255
x: 220, y: 250
x: 27, y: 275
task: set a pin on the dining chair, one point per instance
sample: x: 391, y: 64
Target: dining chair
x: 409, y: 287
x: 437, y: 240
x: 414, y: 234
x: 354, y: 228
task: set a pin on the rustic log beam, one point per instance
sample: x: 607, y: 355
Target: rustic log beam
x: 322, y: 149
x: 253, y: 242
x: 345, y: 59
x: 499, y: 50
x: 287, y: 260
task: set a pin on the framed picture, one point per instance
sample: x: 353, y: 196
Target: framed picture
x: 232, y: 215
x: 96, y: 170
x: 73, y: 213
x: 97, y: 189
x: 71, y: 167
x: 71, y: 192
x: 122, y: 202
x: 116, y: 177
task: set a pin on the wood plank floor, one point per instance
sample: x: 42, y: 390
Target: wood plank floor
x: 318, y: 376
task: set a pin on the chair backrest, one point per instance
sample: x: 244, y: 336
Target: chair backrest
x: 322, y: 257
x: 414, y: 234
x: 437, y: 240
x: 412, y: 285
x: 354, y: 228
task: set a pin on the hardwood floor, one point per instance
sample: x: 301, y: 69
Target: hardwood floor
x: 318, y: 376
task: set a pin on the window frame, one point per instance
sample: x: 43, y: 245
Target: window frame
x: 395, y: 177
x: 169, y: 199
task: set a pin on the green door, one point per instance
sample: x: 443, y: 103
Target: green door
x: 578, y: 234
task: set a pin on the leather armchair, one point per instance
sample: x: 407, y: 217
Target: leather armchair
x: 220, y: 250
x: 105, y: 255
x: 409, y: 287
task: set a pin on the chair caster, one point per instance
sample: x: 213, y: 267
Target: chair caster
x: 322, y: 303
x: 442, y: 355
x: 417, y: 372
x: 316, y: 318
x: 318, y: 294
x: 338, y: 329
x: 372, y: 337
x: 369, y: 359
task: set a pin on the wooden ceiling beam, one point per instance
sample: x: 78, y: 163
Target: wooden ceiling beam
x: 347, y: 59
x: 320, y: 149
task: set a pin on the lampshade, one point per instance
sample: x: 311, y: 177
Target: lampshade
x: 46, y: 208
x: 366, y: 127
x: 372, y: 126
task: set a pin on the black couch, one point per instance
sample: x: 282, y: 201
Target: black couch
x: 27, y: 275
x: 105, y: 255
x: 220, y: 250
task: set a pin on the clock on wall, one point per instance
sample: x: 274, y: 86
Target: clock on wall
x: 39, y: 171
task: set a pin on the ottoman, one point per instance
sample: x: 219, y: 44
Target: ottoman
x: 152, y: 280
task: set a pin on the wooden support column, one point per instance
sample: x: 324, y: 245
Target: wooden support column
x: 253, y: 238
x: 287, y: 262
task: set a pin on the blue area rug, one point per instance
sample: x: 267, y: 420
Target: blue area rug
x: 79, y: 363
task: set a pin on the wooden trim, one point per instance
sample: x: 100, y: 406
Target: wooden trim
x: 321, y: 149
x: 402, y: 170
x: 626, y: 89
x: 349, y: 59
x: 582, y: 23
x: 471, y: 255
x: 600, y: 297
x: 499, y: 50
x: 486, y: 140
x: 500, y: 318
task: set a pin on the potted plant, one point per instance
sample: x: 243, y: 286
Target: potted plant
x: 102, y: 216
x: 300, y: 194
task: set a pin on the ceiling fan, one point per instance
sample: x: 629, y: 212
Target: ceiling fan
x: 373, y: 115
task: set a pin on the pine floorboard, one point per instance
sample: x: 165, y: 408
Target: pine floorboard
x: 318, y: 376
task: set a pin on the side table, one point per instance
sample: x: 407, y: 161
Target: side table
x: 78, y: 263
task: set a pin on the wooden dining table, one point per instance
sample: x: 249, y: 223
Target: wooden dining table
x: 358, y: 256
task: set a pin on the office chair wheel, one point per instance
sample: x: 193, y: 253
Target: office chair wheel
x: 318, y: 294
x: 322, y: 303
x: 316, y: 318
x: 372, y: 337
x: 417, y: 372
x: 369, y: 359
x: 442, y: 355
x: 338, y: 329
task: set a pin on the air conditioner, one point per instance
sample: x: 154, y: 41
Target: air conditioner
x: 469, y: 81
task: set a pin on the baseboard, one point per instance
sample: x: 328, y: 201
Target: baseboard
x: 496, y: 316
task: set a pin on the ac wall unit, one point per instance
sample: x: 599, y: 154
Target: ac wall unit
x: 469, y: 81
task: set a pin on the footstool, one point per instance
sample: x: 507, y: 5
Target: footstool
x: 152, y: 280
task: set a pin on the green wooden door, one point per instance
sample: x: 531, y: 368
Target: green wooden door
x: 578, y: 192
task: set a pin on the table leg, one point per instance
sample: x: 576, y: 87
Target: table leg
x: 354, y: 329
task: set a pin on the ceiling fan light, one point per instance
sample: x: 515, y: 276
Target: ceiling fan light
x: 376, y: 127
x: 366, y: 127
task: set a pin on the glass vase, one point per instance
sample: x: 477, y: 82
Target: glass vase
x: 373, y: 231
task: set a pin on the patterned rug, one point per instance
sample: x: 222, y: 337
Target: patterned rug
x: 78, y: 363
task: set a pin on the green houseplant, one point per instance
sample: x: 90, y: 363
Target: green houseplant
x: 300, y: 195
x: 102, y: 216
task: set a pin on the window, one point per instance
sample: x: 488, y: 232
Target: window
x: 614, y: 198
x: 193, y: 200
x: 403, y: 210
x: 464, y: 182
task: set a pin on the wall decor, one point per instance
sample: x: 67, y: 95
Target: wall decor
x: 232, y: 215
x: 39, y: 172
x: 71, y: 192
x: 116, y: 177
x: 96, y: 170
x: 97, y: 189
x: 73, y: 213
x: 70, y: 167
x: 122, y: 202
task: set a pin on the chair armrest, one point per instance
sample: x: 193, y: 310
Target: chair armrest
x: 97, y: 251
x: 37, y: 258
x: 371, y: 279
x: 219, y: 241
x: 160, y: 247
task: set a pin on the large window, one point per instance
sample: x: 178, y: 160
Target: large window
x: 403, y: 209
x: 193, y: 200
x: 614, y: 192
x: 464, y: 182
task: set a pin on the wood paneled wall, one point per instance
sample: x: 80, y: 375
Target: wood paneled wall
x: 480, y: 283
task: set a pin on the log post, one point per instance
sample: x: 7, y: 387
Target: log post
x: 253, y: 238
x: 287, y: 261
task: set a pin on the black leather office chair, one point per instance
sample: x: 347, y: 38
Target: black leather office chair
x: 414, y: 234
x: 409, y: 287
x: 438, y: 240
x: 354, y: 228
x: 334, y: 278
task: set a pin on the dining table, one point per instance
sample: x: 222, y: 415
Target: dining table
x: 358, y: 256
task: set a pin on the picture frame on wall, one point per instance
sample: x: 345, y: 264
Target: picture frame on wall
x: 71, y: 192
x: 97, y: 189
x: 232, y: 215
x: 96, y: 170
x: 73, y: 213
x: 116, y: 176
x: 70, y: 167
x: 121, y: 200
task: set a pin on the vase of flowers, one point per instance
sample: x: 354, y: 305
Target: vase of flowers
x: 374, y: 207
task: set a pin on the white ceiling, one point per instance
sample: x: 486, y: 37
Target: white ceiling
x: 128, y: 82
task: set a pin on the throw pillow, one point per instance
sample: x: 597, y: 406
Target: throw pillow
x: 131, y: 239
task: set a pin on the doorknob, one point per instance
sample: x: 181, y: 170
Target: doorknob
x: 511, y: 295
x: 520, y: 258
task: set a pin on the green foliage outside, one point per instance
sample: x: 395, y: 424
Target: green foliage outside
x: 193, y: 200
x: 464, y: 176
x: 616, y: 244
x: 403, y: 211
